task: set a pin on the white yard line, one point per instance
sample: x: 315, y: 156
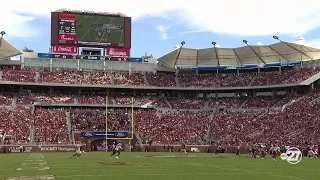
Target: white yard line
x: 89, y: 29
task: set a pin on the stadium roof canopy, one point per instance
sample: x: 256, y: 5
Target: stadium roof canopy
x: 7, y: 50
x: 246, y: 55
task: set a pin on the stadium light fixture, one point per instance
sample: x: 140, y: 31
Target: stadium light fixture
x: 2, y: 34
x: 275, y: 37
x: 245, y: 41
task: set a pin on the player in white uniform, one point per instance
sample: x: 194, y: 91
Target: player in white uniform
x: 78, y: 152
x: 311, y: 153
x: 116, y: 150
x: 274, y: 151
x: 316, y: 151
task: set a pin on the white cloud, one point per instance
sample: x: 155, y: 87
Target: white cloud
x: 15, y: 58
x: 16, y: 25
x: 315, y: 43
x: 192, y: 31
x: 245, y: 18
x: 163, y: 31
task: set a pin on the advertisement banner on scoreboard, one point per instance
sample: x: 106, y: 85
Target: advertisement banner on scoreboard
x: 117, y: 59
x: 88, y: 57
x: 65, y: 49
x: 102, y: 58
x: 62, y: 56
x: 103, y: 134
x: 119, y: 52
x: 136, y: 59
x: 45, y: 55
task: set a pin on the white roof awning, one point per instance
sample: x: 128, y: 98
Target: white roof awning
x: 255, y: 54
x: 7, y: 50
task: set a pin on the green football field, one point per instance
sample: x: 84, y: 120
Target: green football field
x: 87, y: 34
x: 149, y: 166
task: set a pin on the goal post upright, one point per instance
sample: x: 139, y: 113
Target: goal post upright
x: 107, y: 102
x: 132, y: 118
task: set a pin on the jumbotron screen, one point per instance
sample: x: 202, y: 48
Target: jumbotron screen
x: 90, y: 30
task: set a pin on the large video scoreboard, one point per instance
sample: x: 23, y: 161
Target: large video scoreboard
x: 85, y: 29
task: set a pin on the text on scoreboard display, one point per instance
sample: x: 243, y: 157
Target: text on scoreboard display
x: 67, y: 28
x: 91, y: 30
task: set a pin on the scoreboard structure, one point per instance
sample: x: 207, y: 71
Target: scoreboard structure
x: 88, y: 29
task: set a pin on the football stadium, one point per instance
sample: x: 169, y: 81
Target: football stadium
x: 243, y: 113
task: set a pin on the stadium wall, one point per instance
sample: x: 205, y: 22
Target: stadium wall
x: 39, y: 148
x: 189, y: 148
x: 143, y: 148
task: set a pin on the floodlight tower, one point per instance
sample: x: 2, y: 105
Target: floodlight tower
x: 246, y: 42
x: 216, y: 51
x: 300, y: 51
x: 2, y: 34
x: 177, y: 57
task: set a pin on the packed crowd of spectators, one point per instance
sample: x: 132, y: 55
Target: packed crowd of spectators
x: 126, y: 79
x: 51, y: 126
x: 196, y: 80
x: 93, y: 99
x: 228, y: 102
x: 16, y: 123
x: 264, y: 101
x: 183, y: 103
x: 15, y: 73
x: 6, y: 98
x: 159, y: 79
x: 93, y: 77
x: 170, y: 127
x: 299, y: 121
x: 296, y: 124
x: 119, y: 119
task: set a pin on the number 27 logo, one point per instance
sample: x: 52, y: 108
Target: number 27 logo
x: 292, y: 155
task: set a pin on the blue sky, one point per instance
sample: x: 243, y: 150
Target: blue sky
x: 158, y: 26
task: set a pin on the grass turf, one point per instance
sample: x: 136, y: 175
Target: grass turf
x: 85, y: 34
x: 137, y: 166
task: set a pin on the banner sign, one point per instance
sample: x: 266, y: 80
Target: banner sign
x: 44, y: 55
x: 65, y: 49
x: 280, y: 64
x: 136, y: 59
x: 103, y: 134
x: 69, y: 56
x: 120, y: 52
